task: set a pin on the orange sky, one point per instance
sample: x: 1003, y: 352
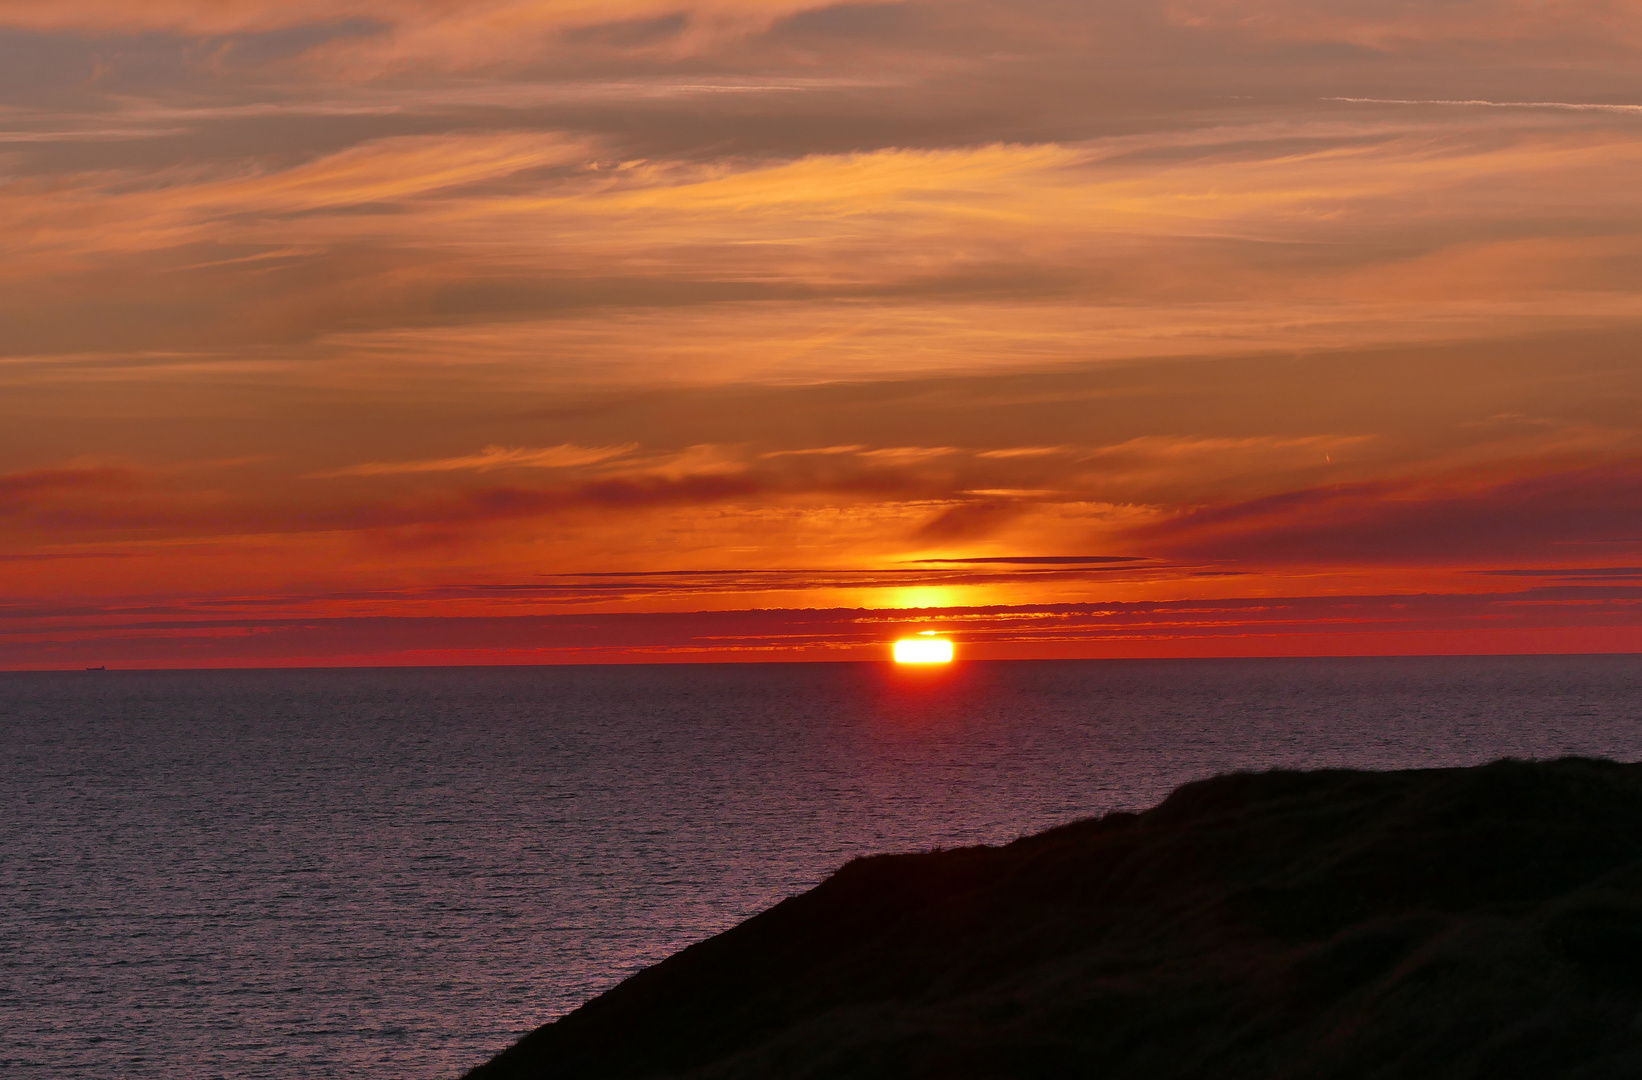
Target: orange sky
x: 523, y: 331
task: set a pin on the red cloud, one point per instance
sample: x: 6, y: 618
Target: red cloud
x: 24, y: 489
x: 1413, y: 522
x: 1556, y: 619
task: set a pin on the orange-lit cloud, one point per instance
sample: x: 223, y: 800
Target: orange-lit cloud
x: 391, y: 309
x: 489, y: 21
x: 499, y: 231
x: 495, y: 457
x: 1536, y: 23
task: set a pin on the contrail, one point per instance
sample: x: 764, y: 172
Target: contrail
x: 1569, y: 106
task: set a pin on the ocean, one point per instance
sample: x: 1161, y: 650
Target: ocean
x: 396, y: 872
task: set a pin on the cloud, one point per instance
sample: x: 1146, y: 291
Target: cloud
x: 1550, y: 27
x: 578, y: 590
x: 832, y: 265
x: 417, y: 36
x: 448, y: 503
x: 213, y: 17
x: 908, y: 454
x: 563, y: 456
x: 1023, y: 452
x: 1566, y: 106
x: 1448, y: 520
x: 126, y: 214
x: 24, y: 489
x: 1563, y: 619
x: 1571, y: 573
x: 802, y: 283
x: 810, y: 451
x: 56, y: 556
x: 514, y: 503
x: 968, y: 521
x: 1040, y: 560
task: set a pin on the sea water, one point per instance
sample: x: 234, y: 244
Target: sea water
x: 395, y: 873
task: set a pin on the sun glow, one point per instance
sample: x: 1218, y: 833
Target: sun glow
x: 925, y: 596
x: 925, y: 649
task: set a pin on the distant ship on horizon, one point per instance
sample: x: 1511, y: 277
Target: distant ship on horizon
x: 100, y: 667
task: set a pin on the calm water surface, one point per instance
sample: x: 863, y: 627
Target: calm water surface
x: 396, y: 872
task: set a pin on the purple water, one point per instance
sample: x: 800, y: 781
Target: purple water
x: 396, y: 872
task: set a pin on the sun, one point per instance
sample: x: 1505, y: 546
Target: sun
x: 924, y: 649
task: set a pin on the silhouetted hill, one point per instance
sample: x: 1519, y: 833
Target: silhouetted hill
x: 1482, y: 922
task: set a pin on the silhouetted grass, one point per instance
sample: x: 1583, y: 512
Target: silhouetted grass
x: 1482, y: 922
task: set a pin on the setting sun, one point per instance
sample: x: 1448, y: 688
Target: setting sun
x: 923, y: 650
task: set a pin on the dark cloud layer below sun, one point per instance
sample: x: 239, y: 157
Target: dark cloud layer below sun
x: 1573, y: 618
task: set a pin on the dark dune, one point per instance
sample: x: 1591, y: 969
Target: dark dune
x: 1482, y: 922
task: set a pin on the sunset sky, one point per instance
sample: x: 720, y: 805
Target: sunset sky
x: 546, y: 331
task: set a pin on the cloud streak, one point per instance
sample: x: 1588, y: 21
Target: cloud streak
x: 1568, y: 106
x: 563, y: 456
x: 1561, y: 619
x: 1428, y: 520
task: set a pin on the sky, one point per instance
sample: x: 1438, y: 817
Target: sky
x: 549, y: 331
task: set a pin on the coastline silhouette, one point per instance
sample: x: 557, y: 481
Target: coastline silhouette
x: 1481, y: 921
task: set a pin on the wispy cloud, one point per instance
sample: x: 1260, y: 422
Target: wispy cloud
x: 1458, y: 518
x: 817, y: 451
x: 1566, y: 106
x: 908, y: 453
x: 563, y: 456
x: 1556, y: 619
x: 1040, y: 560
x: 477, y: 289
x: 21, y: 488
x: 1023, y: 452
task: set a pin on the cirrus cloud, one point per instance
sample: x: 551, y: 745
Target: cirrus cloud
x: 563, y: 456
